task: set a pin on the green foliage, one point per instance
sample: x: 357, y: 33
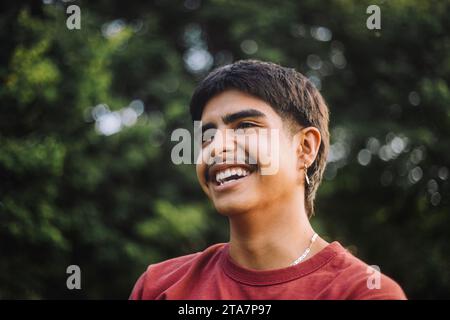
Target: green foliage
x: 113, y: 202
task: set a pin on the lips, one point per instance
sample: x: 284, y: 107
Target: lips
x: 230, y: 185
x: 222, y: 174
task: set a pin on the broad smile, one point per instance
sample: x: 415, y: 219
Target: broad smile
x: 226, y: 176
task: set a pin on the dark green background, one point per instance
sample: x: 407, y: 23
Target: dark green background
x: 113, y: 204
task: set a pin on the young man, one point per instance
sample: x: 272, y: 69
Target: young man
x: 265, y: 184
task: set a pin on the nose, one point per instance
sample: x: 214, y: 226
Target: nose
x: 223, y: 144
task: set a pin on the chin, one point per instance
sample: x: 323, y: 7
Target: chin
x: 233, y: 207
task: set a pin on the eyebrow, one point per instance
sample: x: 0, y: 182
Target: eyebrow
x: 232, y: 117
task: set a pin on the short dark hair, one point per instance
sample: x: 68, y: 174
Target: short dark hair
x: 287, y: 91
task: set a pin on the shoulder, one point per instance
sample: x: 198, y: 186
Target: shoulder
x: 360, y: 281
x: 162, y: 275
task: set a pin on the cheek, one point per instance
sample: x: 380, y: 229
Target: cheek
x: 200, y: 171
x: 201, y: 164
x: 262, y: 151
x: 288, y: 163
x: 273, y: 154
x: 282, y: 168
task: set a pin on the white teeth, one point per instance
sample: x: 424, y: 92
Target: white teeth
x: 224, y: 174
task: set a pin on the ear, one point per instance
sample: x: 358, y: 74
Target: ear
x: 308, y: 142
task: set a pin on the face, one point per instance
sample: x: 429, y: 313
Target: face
x: 244, y: 138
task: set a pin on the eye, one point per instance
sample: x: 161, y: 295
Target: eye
x: 245, y: 124
x: 208, y: 136
x: 207, y: 139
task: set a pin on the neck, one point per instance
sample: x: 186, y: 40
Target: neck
x: 271, y: 237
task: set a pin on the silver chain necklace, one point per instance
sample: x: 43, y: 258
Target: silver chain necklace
x: 303, y: 256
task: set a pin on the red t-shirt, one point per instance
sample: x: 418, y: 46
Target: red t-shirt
x: 332, y: 273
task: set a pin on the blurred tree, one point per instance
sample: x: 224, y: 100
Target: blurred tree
x: 86, y: 117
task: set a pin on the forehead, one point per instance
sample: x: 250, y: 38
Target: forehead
x: 232, y: 101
